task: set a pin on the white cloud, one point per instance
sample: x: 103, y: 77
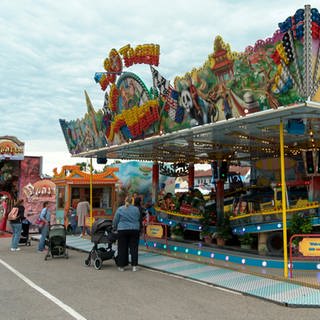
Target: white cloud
x: 50, y: 50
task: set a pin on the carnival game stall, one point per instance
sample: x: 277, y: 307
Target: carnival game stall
x: 237, y: 108
x: 72, y: 184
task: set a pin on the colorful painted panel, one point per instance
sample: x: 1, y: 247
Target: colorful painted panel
x: 11, y: 148
x: 136, y: 177
x: 87, y: 133
x: 279, y: 71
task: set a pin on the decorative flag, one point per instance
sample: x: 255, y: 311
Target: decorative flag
x: 160, y: 82
x: 172, y: 102
x: 172, y: 98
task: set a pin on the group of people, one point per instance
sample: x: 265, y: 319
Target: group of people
x: 127, y: 222
x: 16, y: 225
x: 83, y: 209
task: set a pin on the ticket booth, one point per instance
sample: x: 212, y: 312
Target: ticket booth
x: 72, y: 184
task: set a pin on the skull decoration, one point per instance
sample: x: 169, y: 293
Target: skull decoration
x: 186, y: 100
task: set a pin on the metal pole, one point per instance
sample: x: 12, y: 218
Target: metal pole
x: 155, y: 181
x: 91, y: 195
x: 191, y: 175
x: 284, y: 202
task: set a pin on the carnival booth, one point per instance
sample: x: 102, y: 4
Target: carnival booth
x: 20, y: 178
x: 72, y: 184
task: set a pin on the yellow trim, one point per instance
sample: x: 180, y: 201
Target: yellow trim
x: 291, y: 210
x: 174, y: 213
x: 284, y: 202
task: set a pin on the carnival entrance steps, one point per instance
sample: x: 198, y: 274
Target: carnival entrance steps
x: 282, y: 292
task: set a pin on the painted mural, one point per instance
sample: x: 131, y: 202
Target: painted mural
x: 136, y: 177
x: 278, y: 71
x: 86, y: 133
x: 35, y: 190
x: 21, y: 179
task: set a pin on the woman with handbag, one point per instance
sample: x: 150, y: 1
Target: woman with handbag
x: 45, y: 217
x: 16, y: 225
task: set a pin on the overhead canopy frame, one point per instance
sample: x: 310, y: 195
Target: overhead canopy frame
x: 248, y: 138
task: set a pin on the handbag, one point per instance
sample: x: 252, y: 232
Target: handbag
x: 13, y: 214
x: 39, y: 222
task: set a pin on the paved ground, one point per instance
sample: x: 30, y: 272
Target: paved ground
x: 283, y: 292
x: 32, y: 288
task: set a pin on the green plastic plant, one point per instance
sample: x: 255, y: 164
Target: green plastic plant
x: 224, y: 230
x: 246, y: 239
x: 207, y: 220
x: 300, y: 224
x: 177, y: 230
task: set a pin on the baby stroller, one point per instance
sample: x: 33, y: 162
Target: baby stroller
x: 102, y: 234
x: 57, y: 242
x: 24, y: 237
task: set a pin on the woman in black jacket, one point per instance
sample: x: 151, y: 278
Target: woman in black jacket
x: 16, y: 225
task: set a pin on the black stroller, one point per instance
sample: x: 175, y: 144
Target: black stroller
x: 57, y: 242
x: 24, y: 237
x: 102, y: 234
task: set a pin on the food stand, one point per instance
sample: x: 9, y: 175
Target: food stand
x: 72, y: 184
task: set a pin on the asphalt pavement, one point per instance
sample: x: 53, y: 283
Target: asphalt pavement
x: 32, y: 288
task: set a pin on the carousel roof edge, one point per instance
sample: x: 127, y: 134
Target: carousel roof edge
x: 303, y: 110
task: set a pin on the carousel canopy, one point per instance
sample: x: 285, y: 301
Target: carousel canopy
x: 251, y: 137
x: 229, y: 108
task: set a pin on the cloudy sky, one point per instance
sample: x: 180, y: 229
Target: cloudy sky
x: 50, y: 50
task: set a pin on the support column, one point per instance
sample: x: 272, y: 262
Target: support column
x: 283, y: 201
x: 155, y: 182
x: 191, y: 175
x: 262, y: 243
x: 314, y: 191
x: 220, y: 201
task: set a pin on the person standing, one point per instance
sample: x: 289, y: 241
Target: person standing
x: 72, y: 219
x: 16, y: 225
x: 83, y: 209
x: 45, y: 217
x: 137, y: 203
x: 127, y: 221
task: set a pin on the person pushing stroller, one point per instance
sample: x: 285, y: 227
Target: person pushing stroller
x: 127, y: 222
